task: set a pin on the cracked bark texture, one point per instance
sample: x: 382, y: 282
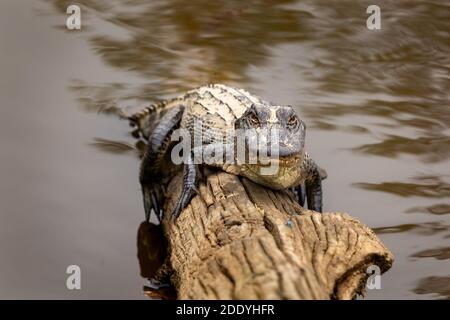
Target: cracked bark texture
x: 240, y: 240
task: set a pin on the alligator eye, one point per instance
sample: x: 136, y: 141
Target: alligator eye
x: 292, y: 122
x: 253, y: 119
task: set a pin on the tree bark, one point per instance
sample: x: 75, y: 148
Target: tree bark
x: 240, y: 240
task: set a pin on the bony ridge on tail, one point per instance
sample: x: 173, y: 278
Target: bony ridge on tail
x: 216, y: 117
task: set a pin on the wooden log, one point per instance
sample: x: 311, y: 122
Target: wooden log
x: 239, y: 240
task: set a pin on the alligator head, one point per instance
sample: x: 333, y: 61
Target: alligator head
x: 276, y: 136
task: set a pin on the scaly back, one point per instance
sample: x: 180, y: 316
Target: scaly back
x: 215, y: 106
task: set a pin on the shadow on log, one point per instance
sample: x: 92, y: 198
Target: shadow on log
x: 239, y: 240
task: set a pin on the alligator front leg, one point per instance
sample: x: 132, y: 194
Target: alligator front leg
x: 190, y: 181
x: 312, y: 185
x: 154, y: 158
x: 190, y: 173
x: 314, y: 193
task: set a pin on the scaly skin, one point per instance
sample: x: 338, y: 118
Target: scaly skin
x: 222, y: 110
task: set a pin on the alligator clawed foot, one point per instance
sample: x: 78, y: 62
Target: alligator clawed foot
x: 300, y: 192
x: 183, y: 201
x: 190, y: 178
x: 152, y: 201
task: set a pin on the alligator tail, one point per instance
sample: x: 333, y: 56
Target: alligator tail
x: 147, y: 119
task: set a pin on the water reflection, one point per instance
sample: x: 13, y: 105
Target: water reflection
x: 112, y: 146
x: 430, y: 149
x: 103, y: 98
x: 152, y: 250
x: 438, y: 209
x: 189, y: 44
x: 430, y: 121
x: 438, y: 253
x: 426, y: 228
x: 434, y: 285
x: 426, y: 186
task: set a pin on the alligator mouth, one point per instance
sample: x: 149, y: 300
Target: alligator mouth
x: 282, y: 162
x: 277, y: 173
x: 286, y: 161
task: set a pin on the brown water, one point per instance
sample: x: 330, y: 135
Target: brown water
x: 376, y: 104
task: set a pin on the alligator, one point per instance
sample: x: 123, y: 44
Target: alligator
x: 223, y: 109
